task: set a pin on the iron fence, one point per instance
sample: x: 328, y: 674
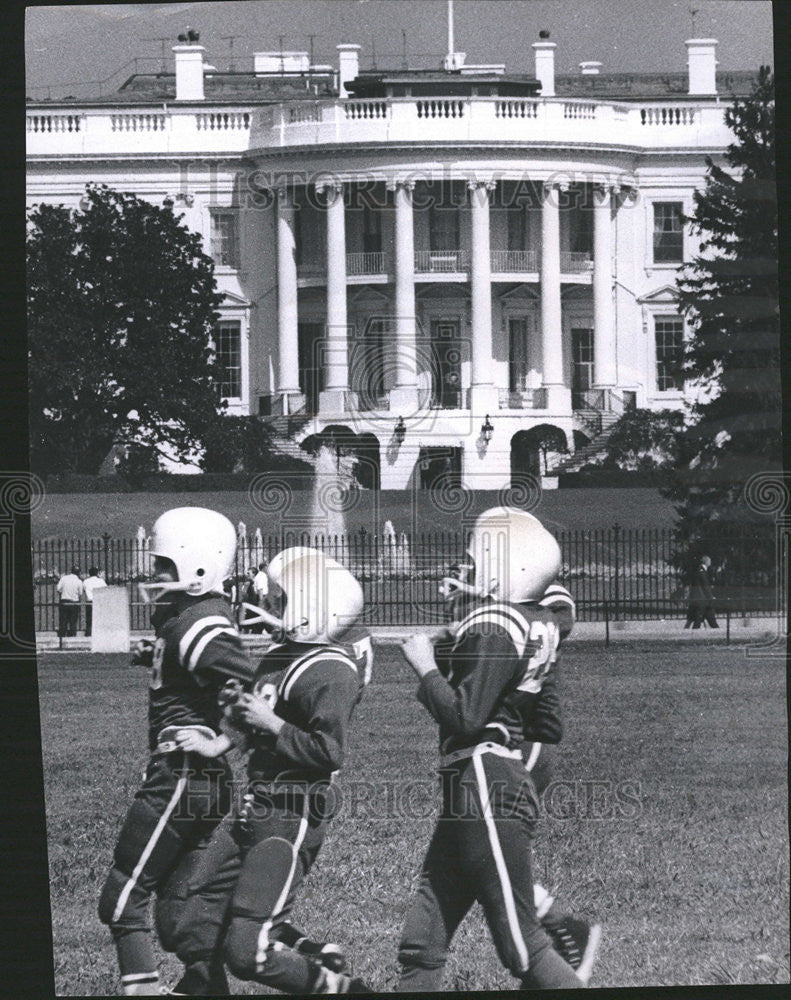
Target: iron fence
x: 615, y: 573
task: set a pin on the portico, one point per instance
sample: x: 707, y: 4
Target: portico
x: 468, y: 253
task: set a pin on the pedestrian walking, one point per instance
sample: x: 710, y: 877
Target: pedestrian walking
x: 701, y: 597
x: 70, y: 592
x: 94, y: 581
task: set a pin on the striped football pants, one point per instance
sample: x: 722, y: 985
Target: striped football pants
x: 182, y: 799
x: 481, y: 850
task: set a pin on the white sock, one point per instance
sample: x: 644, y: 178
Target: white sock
x: 542, y: 900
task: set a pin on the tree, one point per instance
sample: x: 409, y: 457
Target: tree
x: 546, y: 439
x: 121, y: 313
x: 244, y: 444
x: 729, y: 295
x: 645, y: 439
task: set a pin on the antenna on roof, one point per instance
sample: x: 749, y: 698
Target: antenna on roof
x: 404, y: 62
x: 693, y: 12
x: 163, y: 42
x: 451, y: 46
x: 282, y: 60
x: 373, y: 53
x: 230, y: 39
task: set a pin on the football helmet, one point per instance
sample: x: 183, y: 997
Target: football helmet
x: 322, y: 598
x: 512, y: 557
x: 201, y: 545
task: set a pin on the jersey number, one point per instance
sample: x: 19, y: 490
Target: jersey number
x: 155, y: 675
x: 547, y: 637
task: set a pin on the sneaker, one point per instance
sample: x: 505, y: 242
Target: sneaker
x: 577, y: 943
x: 327, y: 953
x: 338, y: 982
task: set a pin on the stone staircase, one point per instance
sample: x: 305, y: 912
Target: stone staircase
x: 601, y: 424
x: 285, y: 427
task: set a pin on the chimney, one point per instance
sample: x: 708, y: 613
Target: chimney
x: 189, y: 72
x: 348, y: 66
x: 702, y: 63
x: 545, y: 64
x: 590, y: 68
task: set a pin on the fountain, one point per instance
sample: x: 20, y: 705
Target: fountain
x: 143, y: 567
x: 257, y: 554
x: 331, y: 480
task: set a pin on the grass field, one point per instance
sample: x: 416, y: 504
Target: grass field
x: 687, y: 869
x: 68, y: 515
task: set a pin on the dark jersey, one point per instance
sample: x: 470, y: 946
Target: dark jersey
x: 314, y: 689
x: 197, y: 650
x: 491, y: 676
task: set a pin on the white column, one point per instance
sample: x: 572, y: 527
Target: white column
x: 335, y: 354
x: 404, y: 394
x: 287, y: 316
x: 483, y: 392
x: 603, y: 312
x: 551, y: 317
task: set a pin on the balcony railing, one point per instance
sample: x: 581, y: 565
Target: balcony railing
x: 575, y: 263
x: 71, y: 130
x: 365, y: 263
x: 441, y: 261
x: 523, y: 399
x: 514, y: 260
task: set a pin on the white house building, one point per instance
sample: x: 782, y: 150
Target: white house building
x: 434, y: 261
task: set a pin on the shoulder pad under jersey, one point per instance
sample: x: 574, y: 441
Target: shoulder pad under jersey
x: 497, y: 615
x: 312, y: 657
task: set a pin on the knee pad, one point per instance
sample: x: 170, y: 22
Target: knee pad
x: 263, y: 877
x: 133, y: 914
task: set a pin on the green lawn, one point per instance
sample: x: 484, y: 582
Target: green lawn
x: 685, y: 865
x: 86, y: 515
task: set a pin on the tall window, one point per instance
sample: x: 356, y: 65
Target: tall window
x: 225, y: 238
x: 372, y: 229
x: 668, y: 232
x: 444, y: 226
x: 229, y: 359
x: 581, y: 229
x: 669, y: 333
x: 517, y: 354
x: 518, y: 227
x: 581, y: 366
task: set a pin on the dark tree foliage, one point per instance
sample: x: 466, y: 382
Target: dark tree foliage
x: 729, y: 295
x: 244, y: 444
x: 645, y: 440
x: 121, y: 312
x: 546, y: 438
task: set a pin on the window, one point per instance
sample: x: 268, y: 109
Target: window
x: 229, y: 359
x: 581, y: 366
x: 517, y: 354
x: 518, y: 227
x: 669, y: 333
x: 581, y: 229
x: 372, y: 229
x: 668, y: 232
x: 225, y: 238
x: 444, y: 227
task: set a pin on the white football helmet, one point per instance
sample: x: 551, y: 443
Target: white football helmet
x: 200, y: 543
x: 512, y: 557
x: 322, y: 598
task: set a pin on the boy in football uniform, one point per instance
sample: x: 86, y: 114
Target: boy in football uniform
x: 484, y: 690
x: 183, y: 796
x: 573, y: 938
x: 294, y: 724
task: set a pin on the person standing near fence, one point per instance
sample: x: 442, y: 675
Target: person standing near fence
x: 70, y: 593
x: 701, y: 597
x: 94, y: 581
